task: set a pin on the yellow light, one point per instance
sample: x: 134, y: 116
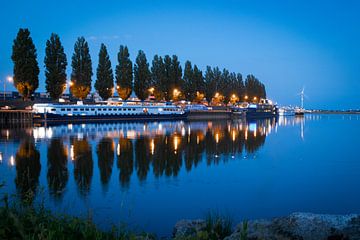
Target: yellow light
x: 71, y: 83
x: 118, y: 149
x: 72, y: 156
x: 233, y: 135
x: 117, y: 87
x: 255, y: 98
x: 246, y: 97
x: 217, y: 94
x: 176, y: 143
x: 152, y: 146
x: 151, y: 90
x: 233, y: 96
x: 217, y: 138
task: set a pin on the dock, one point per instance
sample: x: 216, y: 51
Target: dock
x: 15, y: 116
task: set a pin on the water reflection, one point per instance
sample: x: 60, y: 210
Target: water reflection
x: 105, y: 155
x: 28, y: 169
x: 125, y: 161
x: 83, y: 164
x: 161, y: 149
x: 57, y: 170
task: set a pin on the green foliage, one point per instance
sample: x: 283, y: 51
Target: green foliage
x: 104, y: 76
x: 81, y: 69
x: 244, y: 231
x: 55, y: 67
x: 35, y: 222
x: 124, y: 75
x: 176, y: 81
x: 142, y: 76
x: 189, y: 90
x: 169, y: 83
x: 158, y: 77
x: 26, y: 69
x: 254, y: 88
x: 218, y: 226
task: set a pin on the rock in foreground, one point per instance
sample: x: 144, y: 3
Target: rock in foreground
x: 297, y: 226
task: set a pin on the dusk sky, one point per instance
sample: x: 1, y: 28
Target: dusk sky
x: 287, y: 45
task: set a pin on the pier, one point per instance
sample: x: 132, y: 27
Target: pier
x: 16, y: 116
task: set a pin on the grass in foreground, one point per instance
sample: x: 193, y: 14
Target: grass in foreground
x: 25, y: 221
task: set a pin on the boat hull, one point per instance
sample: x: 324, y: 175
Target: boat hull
x: 56, y: 118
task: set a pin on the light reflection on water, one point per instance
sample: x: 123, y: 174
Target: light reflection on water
x: 152, y: 174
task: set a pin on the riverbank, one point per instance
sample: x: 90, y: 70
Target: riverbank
x: 27, y: 222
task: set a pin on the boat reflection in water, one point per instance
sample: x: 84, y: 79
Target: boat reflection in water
x: 163, y: 148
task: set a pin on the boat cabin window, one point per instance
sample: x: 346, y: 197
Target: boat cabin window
x: 62, y: 109
x: 93, y: 109
x: 68, y: 109
x: 52, y: 109
x: 81, y: 109
x: 75, y: 109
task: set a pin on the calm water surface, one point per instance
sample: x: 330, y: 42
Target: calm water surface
x: 149, y: 175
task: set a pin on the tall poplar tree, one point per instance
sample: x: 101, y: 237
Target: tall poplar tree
x: 81, y: 69
x: 142, y: 76
x: 169, y: 81
x: 124, y: 74
x: 189, y: 88
x: 176, y: 75
x: 199, y: 85
x: 158, y: 78
x: 55, y: 67
x: 210, y: 84
x: 104, y: 75
x: 26, y: 69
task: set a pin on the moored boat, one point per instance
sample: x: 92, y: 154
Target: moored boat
x: 286, y: 111
x: 264, y: 109
x: 107, y: 111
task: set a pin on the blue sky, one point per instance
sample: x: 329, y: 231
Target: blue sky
x: 287, y: 45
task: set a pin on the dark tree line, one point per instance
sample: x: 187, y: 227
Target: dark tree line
x: 164, y: 79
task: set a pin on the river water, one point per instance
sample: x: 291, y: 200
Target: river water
x: 150, y: 175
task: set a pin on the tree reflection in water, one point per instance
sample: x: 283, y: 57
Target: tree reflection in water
x: 28, y: 169
x: 83, y: 164
x: 125, y: 162
x: 57, y: 171
x: 160, y: 148
x: 105, y: 154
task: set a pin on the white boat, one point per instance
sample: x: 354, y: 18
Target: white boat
x: 106, y: 111
x: 286, y: 111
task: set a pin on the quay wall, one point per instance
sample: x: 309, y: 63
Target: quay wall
x: 15, y: 116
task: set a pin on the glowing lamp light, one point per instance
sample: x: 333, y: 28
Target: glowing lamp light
x: 10, y: 79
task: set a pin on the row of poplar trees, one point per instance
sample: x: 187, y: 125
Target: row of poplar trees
x: 164, y: 79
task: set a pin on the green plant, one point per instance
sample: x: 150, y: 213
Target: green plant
x: 244, y: 230
x: 218, y: 226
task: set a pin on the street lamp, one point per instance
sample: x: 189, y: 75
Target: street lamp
x: 176, y: 93
x: 10, y: 79
x: 151, y: 90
